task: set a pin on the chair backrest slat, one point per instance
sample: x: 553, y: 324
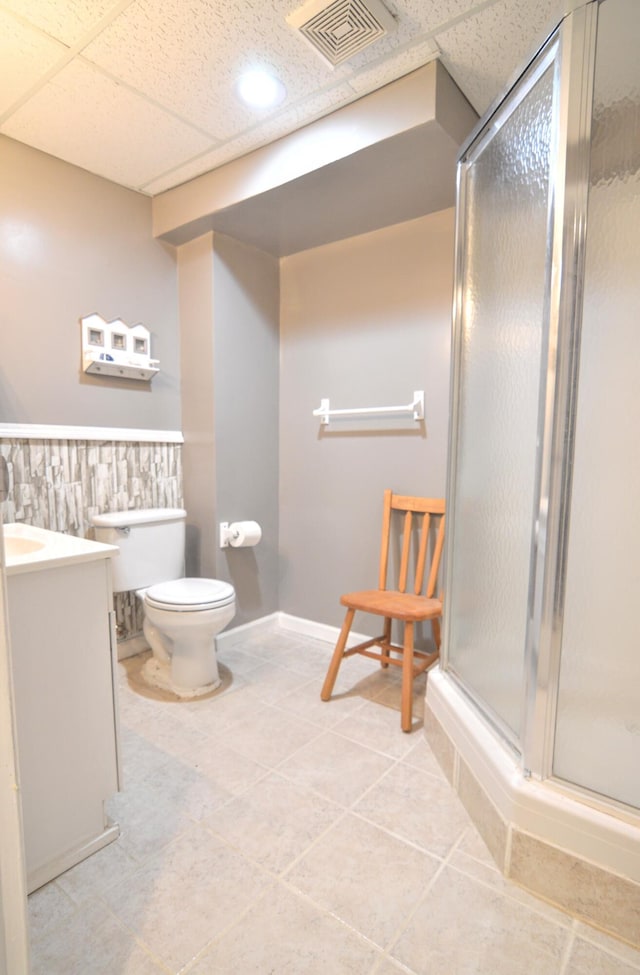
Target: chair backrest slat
x: 435, y: 562
x: 422, y: 553
x: 386, y: 531
x: 406, y: 552
x: 431, y: 509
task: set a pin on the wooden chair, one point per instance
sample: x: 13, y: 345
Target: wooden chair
x: 409, y: 607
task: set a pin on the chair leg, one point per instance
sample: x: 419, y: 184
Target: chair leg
x: 336, y: 660
x: 435, y: 629
x: 386, y: 635
x: 407, y: 677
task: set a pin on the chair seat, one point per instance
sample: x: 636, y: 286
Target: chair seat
x: 390, y: 602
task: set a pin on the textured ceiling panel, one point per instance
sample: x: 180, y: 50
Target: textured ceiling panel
x: 162, y: 107
x: 199, y: 51
x: 25, y: 57
x: 269, y: 131
x: 86, y: 118
x: 393, y: 66
x: 66, y: 20
x: 474, y: 51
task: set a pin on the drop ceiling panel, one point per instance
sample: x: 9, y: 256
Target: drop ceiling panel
x: 394, y: 66
x: 66, y: 20
x: 165, y: 105
x: 270, y: 130
x: 473, y: 50
x: 198, y: 55
x: 25, y: 57
x: 86, y: 118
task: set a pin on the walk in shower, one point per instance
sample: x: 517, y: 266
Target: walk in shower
x: 539, y: 688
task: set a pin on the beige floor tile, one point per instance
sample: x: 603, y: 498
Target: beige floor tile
x: 270, y: 682
x: 421, y: 756
x: 203, y: 810
x: 48, y: 907
x: 466, y: 928
x: 274, y: 821
x: 307, y: 659
x: 187, y: 789
x: 98, y: 872
x: 387, y: 966
x: 148, y: 819
x: 218, y: 715
x: 228, y: 769
x: 93, y: 942
x: 306, y: 702
x: 140, y: 757
x: 376, y: 880
x: 377, y: 727
x: 335, y: 767
x: 207, y: 755
x: 417, y: 807
x: 588, y: 958
x: 284, y: 934
x: 474, y: 846
x: 390, y: 694
x: 238, y: 661
x: 179, y: 900
x: 612, y: 946
x: 489, y: 874
x: 271, y: 645
x: 269, y: 735
x: 362, y: 676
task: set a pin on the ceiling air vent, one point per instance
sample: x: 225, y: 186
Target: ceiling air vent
x: 340, y: 29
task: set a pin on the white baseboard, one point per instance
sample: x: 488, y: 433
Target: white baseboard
x: 296, y: 624
x: 318, y: 631
x: 254, y: 626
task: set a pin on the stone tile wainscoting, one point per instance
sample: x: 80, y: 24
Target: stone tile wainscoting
x: 61, y: 484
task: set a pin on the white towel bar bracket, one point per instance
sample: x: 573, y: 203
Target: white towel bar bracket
x: 414, y: 409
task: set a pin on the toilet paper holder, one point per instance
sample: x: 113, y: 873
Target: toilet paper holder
x: 236, y: 535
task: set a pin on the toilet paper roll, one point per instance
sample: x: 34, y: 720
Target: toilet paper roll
x: 244, y: 533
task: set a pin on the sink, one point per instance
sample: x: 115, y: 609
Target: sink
x: 17, y: 545
x: 28, y: 548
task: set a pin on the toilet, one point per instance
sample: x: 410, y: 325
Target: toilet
x: 182, y: 617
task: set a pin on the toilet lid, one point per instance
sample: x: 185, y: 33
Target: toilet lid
x: 189, y: 595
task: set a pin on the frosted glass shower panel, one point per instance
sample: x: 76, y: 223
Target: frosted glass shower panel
x: 500, y: 316
x: 599, y: 690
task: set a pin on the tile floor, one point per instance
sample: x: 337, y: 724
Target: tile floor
x: 263, y: 831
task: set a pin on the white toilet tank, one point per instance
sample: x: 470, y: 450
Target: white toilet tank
x: 151, y: 543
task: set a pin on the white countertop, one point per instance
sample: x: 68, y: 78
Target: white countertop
x: 28, y: 549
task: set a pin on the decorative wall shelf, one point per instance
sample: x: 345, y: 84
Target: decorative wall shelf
x: 116, y: 349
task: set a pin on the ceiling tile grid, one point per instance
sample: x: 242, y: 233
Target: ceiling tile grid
x: 65, y: 20
x: 143, y: 91
x: 516, y: 26
x: 84, y: 116
x: 26, y: 55
x: 313, y: 108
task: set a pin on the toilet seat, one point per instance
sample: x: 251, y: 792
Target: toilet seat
x: 190, y: 595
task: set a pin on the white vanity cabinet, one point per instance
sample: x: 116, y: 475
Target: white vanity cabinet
x: 63, y: 656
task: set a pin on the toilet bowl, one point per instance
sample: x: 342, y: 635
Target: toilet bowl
x: 182, y: 617
x: 181, y: 621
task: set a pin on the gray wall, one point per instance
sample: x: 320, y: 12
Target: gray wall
x: 195, y: 278
x: 71, y: 244
x: 364, y: 322
x: 229, y: 310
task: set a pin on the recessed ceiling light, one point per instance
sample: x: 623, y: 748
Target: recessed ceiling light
x: 260, y: 89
